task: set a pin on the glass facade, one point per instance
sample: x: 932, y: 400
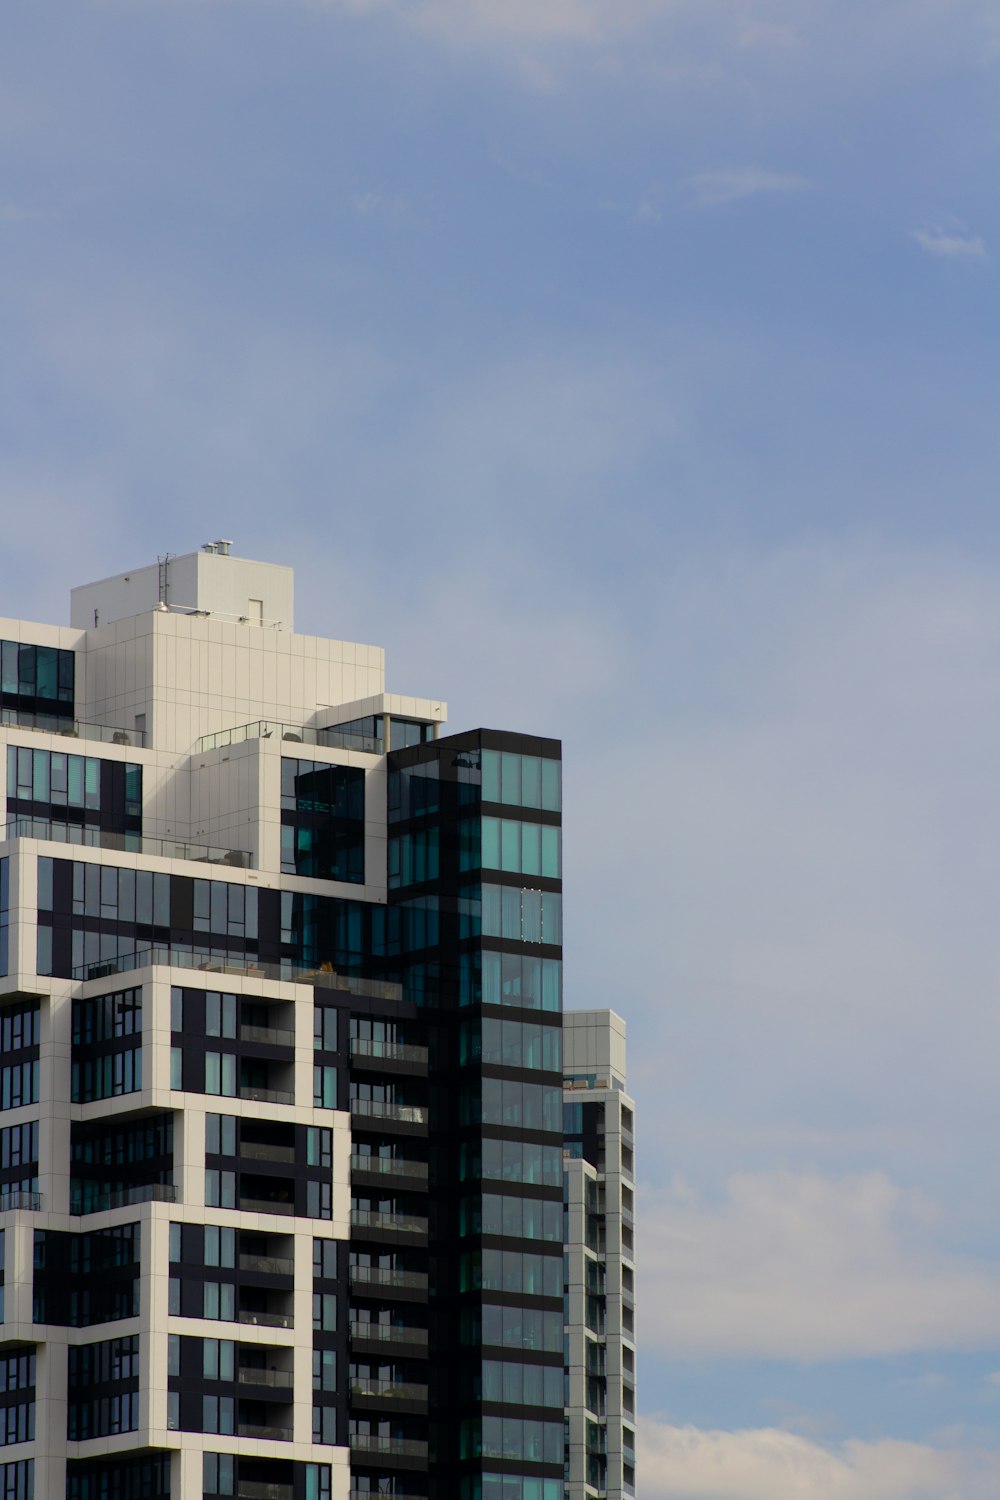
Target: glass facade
x: 78, y: 791
x: 501, y: 1248
x: 322, y: 820
x: 37, y: 681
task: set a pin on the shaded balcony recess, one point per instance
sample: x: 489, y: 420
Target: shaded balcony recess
x: 369, y: 1218
x: 385, y: 1277
x: 270, y: 1036
x: 385, y: 1333
x: 363, y: 1049
x: 278, y: 1380
x: 266, y: 1096
x: 379, y: 1109
x: 386, y: 1447
x: 268, y: 1265
x: 389, y: 1390
x: 262, y: 1151
x: 259, y: 1319
x: 390, y: 1166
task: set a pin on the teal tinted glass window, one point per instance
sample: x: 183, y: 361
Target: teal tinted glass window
x: 521, y: 848
x: 522, y: 780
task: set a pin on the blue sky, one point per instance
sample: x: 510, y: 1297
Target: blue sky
x: 629, y: 371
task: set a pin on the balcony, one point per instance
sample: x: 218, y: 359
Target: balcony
x: 269, y: 1036
x: 30, y: 1201
x: 371, y: 1219
x: 265, y: 1319
x: 388, y: 1390
x: 364, y: 1052
x: 52, y: 832
x: 266, y: 1096
x: 267, y: 1434
x: 296, y: 734
x: 390, y: 1166
x: 207, y: 961
x: 389, y: 1113
x: 253, y: 1489
x: 254, y: 1151
x: 264, y: 1206
x: 147, y: 1192
x: 73, y: 729
x: 268, y: 1265
x: 274, y: 1379
x: 385, y: 1279
x: 386, y: 1333
x: 364, y: 1443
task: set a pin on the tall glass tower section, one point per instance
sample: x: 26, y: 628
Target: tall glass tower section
x: 474, y: 926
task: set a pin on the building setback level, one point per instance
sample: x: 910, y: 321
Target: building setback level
x: 287, y: 1211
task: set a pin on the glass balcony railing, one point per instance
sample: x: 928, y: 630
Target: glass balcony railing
x: 290, y: 970
x: 388, y: 1333
x: 295, y: 734
x: 387, y: 1447
x: 363, y: 1047
x: 273, y: 1379
x: 389, y: 1390
x: 390, y: 1166
x: 363, y: 1218
x: 386, y: 1277
x: 126, y: 843
x: 106, y: 734
x: 20, y: 1199
x: 380, y: 1109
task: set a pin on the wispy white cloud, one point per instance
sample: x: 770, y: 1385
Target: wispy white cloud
x: 687, y: 1463
x: 801, y: 1266
x: 712, y: 189
x: 951, y: 245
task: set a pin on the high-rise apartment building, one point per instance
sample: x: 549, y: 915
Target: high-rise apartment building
x: 599, y: 1125
x: 281, y: 1092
